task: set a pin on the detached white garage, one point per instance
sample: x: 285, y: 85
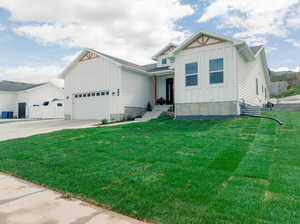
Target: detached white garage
x: 99, y: 86
x: 37, y: 101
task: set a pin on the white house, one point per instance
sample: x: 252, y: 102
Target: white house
x: 24, y: 100
x: 207, y: 76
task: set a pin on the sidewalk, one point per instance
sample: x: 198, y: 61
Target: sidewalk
x: 22, y: 202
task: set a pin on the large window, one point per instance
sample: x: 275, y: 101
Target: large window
x: 216, y: 71
x: 191, y: 74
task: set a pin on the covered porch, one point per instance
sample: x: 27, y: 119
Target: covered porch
x: 163, y: 88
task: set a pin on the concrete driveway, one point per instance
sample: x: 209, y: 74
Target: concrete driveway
x: 25, y: 203
x: 10, y: 129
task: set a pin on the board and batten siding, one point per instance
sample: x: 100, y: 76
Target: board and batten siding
x: 248, y: 72
x: 204, y: 91
x: 90, y: 76
x: 136, y: 89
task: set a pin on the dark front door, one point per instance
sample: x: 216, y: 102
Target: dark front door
x: 169, y: 91
x: 22, y: 110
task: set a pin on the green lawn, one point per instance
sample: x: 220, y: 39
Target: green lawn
x: 217, y: 171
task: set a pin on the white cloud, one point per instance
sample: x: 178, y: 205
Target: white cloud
x: 255, y: 18
x: 32, y: 74
x: 294, y: 42
x: 285, y: 69
x: 133, y: 29
x: 2, y: 28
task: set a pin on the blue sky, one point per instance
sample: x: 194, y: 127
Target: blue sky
x: 38, y: 41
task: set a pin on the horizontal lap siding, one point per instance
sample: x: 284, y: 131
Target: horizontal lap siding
x: 204, y: 91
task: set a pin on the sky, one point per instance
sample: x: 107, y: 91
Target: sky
x: 38, y: 39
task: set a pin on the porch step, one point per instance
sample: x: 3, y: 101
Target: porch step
x: 252, y: 110
x: 155, y: 113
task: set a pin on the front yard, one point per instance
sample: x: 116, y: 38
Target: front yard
x: 217, y: 171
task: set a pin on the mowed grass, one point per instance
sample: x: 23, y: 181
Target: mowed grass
x: 245, y: 170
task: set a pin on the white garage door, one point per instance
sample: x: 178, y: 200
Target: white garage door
x: 52, y: 110
x: 91, y: 106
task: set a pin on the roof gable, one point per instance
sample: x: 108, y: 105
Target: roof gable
x: 165, y: 51
x: 203, y: 41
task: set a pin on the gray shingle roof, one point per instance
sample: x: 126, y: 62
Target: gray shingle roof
x: 16, y: 86
x: 255, y: 49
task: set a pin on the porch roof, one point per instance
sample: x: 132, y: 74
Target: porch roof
x: 160, y: 69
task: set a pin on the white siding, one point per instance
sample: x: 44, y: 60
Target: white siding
x: 98, y: 74
x: 204, y: 91
x: 136, y: 89
x: 7, y: 101
x: 248, y: 72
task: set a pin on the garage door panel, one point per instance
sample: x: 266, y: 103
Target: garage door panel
x: 85, y: 108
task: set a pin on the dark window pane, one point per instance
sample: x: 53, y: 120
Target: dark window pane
x: 76, y: 96
x: 102, y: 93
x: 93, y: 94
x: 191, y: 68
x: 216, y: 64
x: 98, y: 93
x: 191, y: 80
x: 164, y: 61
x: 216, y: 77
x: 88, y: 94
x: 59, y: 104
x: 80, y: 95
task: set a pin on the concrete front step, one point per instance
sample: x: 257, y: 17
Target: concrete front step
x: 155, y: 113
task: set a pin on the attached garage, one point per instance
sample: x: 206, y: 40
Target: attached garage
x: 99, y: 86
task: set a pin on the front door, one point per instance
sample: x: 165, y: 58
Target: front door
x: 169, y: 91
x: 22, y: 110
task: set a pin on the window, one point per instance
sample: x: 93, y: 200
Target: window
x: 84, y: 95
x: 80, y: 95
x: 102, y: 93
x: 59, y: 105
x: 76, y: 95
x: 93, y: 94
x: 36, y: 105
x: 88, y: 94
x: 107, y: 92
x: 163, y: 61
x: 191, y: 74
x: 46, y: 103
x: 118, y: 92
x: 216, y: 71
x: 98, y: 93
x: 256, y: 86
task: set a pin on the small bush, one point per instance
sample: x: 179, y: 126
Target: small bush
x: 149, y: 106
x: 161, y: 101
x: 139, y: 116
x: 130, y: 118
x: 104, y: 121
x: 171, y: 109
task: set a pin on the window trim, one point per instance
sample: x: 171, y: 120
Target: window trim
x: 192, y: 74
x: 215, y: 71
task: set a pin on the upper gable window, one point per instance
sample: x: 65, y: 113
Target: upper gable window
x: 163, y: 61
x: 216, y: 71
x: 191, y: 74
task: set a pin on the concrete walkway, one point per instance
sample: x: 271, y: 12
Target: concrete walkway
x: 25, y: 203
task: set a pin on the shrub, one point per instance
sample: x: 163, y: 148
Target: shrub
x: 139, y: 116
x: 104, y: 121
x: 130, y: 118
x: 149, y: 106
x: 171, y: 109
x: 161, y: 101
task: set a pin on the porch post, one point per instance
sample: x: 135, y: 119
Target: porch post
x: 174, y: 88
x: 154, y: 89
